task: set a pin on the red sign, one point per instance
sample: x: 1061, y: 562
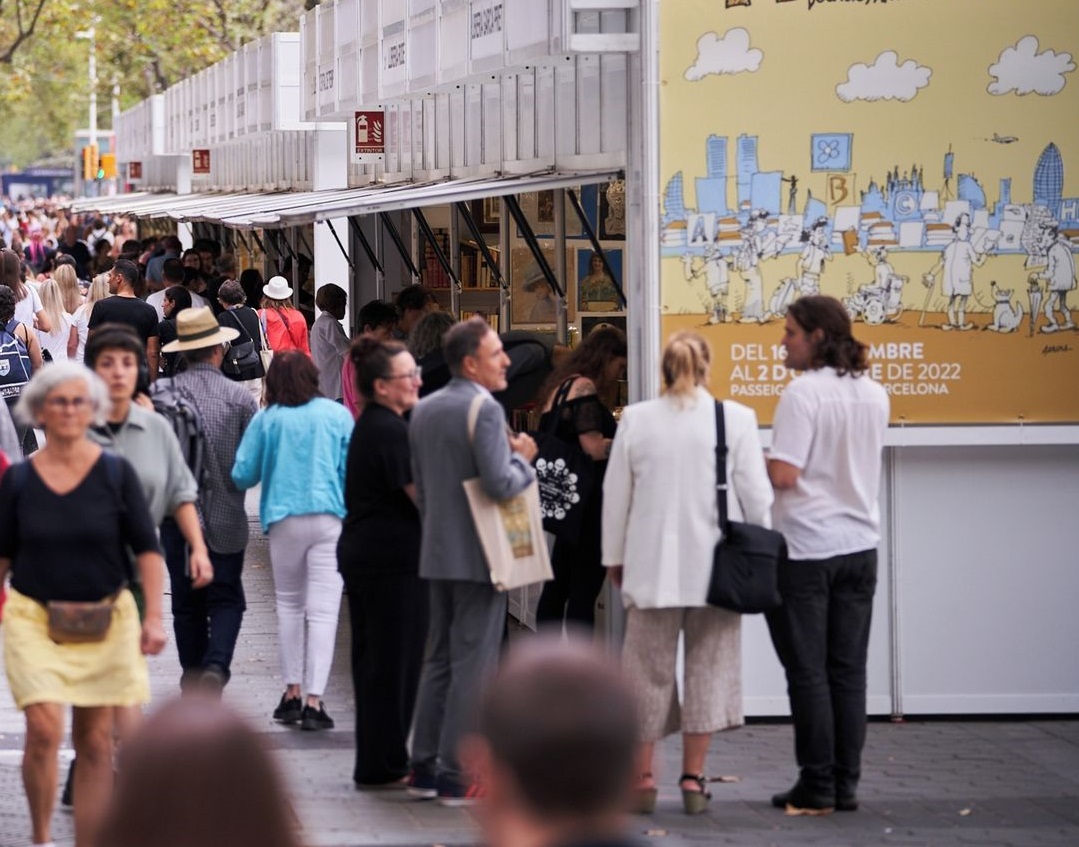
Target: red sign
x: 200, y: 161
x: 370, y: 135
x: 134, y: 170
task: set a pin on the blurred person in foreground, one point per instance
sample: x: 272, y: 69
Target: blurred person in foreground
x: 197, y: 774
x: 78, y: 559
x: 660, y: 529
x: 554, y: 748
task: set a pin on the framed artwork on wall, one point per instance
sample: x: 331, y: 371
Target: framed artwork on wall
x: 487, y: 212
x: 596, y: 292
x: 531, y: 298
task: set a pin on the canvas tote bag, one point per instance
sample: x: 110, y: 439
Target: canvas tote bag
x: 511, y: 530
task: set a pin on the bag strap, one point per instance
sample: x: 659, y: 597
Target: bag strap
x: 239, y: 325
x: 561, y: 397
x: 721, y: 467
x: 263, y: 336
x: 473, y: 416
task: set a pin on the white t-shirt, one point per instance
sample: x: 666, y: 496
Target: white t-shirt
x: 56, y: 341
x: 29, y: 306
x: 81, y: 319
x: 832, y: 429
x: 329, y: 346
x: 157, y: 300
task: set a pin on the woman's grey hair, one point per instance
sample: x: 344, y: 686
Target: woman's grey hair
x: 52, y: 376
x: 427, y: 334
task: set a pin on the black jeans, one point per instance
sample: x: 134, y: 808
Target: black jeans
x: 821, y: 633
x: 388, y: 615
x: 206, y: 621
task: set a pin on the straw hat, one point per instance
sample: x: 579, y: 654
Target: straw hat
x: 277, y: 288
x: 196, y: 328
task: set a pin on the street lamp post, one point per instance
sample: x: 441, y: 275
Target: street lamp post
x: 91, y: 36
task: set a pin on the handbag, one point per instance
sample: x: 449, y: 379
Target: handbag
x: 242, y: 357
x: 511, y: 530
x: 79, y: 622
x: 746, y: 560
x: 564, y: 473
x: 266, y: 353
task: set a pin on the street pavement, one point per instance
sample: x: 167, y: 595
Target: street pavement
x: 926, y: 783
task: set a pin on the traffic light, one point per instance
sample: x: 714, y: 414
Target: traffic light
x: 89, y: 162
x: 107, y: 166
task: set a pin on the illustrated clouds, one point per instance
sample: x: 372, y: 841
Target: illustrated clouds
x: 885, y: 79
x: 1023, y: 70
x: 730, y: 54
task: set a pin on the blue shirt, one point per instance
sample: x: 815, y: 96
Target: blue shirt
x: 299, y: 455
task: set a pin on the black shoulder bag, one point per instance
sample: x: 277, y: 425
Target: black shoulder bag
x: 242, y: 361
x: 747, y: 557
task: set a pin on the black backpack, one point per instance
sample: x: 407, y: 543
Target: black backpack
x: 15, y: 367
x: 175, y: 406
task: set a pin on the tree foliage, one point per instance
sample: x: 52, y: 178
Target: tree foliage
x: 143, y: 46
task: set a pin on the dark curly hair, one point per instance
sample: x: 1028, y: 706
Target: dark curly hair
x: 590, y: 358
x: 371, y: 360
x: 838, y: 348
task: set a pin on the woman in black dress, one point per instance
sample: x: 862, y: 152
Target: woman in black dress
x: 587, y: 381
x: 378, y: 556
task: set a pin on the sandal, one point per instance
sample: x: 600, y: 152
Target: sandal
x: 644, y: 799
x: 694, y: 802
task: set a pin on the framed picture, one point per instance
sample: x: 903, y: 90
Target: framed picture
x: 532, y: 300
x: 487, y: 212
x: 538, y: 208
x: 596, y: 292
x: 612, y: 211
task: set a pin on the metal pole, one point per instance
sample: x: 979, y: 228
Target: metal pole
x: 561, y: 304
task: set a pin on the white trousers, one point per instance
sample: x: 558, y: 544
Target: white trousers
x: 303, y: 555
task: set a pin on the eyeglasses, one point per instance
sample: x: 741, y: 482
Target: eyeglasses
x: 413, y: 375
x: 77, y: 403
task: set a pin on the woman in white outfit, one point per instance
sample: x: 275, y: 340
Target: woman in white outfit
x: 63, y: 341
x: 660, y: 527
x: 297, y: 448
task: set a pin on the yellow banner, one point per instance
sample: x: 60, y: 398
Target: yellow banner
x: 910, y: 158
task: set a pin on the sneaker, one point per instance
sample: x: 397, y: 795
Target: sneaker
x: 455, y: 795
x: 289, y: 710
x: 421, y: 785
x: 315, y: 718
x: 802, y: 801
x: 846, y: 802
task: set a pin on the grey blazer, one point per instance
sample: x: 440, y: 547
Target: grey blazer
x: 442, y: 459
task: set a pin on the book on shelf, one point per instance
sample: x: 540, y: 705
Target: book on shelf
x: 492, y: 320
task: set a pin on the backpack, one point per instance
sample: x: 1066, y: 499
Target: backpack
x: 15, y: 367
x: 175, y: 406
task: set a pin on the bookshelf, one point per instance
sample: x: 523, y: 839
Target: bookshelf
x: 479, y: 287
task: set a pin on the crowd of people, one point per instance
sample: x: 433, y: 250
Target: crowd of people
x: 360, y: 447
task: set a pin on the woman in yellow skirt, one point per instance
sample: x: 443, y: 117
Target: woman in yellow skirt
x: 66, y: 516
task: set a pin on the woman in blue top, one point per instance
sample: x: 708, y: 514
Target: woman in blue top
x: 297, y: 448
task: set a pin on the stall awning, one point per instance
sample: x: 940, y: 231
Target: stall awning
x: 296, y: 208
x: 374, y: 200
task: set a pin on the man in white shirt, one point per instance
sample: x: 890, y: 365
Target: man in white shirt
x: 825, y: 465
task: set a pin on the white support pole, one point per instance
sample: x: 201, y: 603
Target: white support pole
x: 184, y: 230
x: 330, y: 159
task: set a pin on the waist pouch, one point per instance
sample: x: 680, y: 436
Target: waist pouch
x: 80, y: 623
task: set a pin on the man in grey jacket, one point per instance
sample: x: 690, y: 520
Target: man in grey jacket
x: 467, y: 615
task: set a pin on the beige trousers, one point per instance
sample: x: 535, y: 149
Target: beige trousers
x: 712, y: 699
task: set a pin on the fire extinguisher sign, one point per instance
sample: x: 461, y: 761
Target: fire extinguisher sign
x: 369, y: 128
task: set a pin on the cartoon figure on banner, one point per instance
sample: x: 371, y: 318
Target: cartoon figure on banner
x: 758, y: 243
x: 957, y: 284
x: 715, y: 271
x: 1059, y: 276
x: 881, y: 300
x: 814, y: 255
x: 1006, y: 317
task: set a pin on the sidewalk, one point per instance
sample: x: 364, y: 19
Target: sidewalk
x: 939, y: 783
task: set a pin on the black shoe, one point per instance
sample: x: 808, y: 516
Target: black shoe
x: 289, y: 710
x: 846, y: 802
x: 67, y: 796
x: 316, y: 718
x: 802, y: 801
x: 212, y: 680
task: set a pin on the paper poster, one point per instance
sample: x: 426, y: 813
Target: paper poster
x: 916, y: 159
